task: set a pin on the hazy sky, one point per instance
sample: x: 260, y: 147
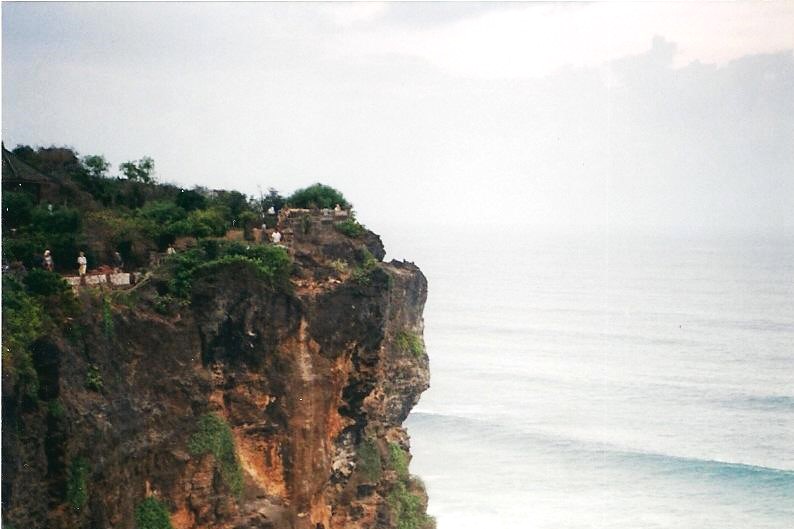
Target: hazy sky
x: 670, y: 115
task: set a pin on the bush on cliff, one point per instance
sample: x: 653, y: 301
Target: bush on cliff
x: 271, y: 264
x: 410, y: 342
x: 317, y: 196
x: 350, y: 228
x: 23, y: 318
x: 152, y: 514
x: 43, y: 283
x: 398, y: 460
x: 407, y: 510
x: 214, y: 436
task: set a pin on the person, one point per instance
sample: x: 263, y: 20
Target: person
x: 49, y: 264
x: 118, y: 262
x: 276, y: 237
x: 170, y: 250
x: 82, y: 266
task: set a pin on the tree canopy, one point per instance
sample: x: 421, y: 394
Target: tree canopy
x: 317, y: 196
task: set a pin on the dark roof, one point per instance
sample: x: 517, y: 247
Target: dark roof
x: 15, y: 170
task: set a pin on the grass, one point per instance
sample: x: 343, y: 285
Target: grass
x: 151, y: 513
x: 409, y: 342
x: 214, y: 436
x: 76, y: 484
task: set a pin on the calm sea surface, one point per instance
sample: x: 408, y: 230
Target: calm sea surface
x: 605, y: 381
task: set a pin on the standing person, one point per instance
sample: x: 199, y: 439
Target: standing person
x: 118, y: 262
x: 82, y: 266
x: 49, y: 264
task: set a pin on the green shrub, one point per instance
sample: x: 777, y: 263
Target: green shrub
x: 214, y: 436
x: 22, y: 325
x: 190, y: 199
x: 162, y: 212
x: 152, y: 514
x: 350, y: 228
x: 406, y: 509
x: 370, y: 464
x: 93, y: 378
x: 17, y: 208
x: 76, y: 483
x: 317, y: 196
x: 270, y: 263
x: 340, y: 265
x: 398, y: 460
x: 363, y: 273
x: 55, y: 409
x: 60, y: 220
x: 43, y: 283
x: 409, y: 342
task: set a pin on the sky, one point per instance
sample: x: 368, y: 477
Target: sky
x: 662, y: 116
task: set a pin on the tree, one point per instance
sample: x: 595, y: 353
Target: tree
x: 96, y: 165
x: 140, y: 171
x: 317, y: 196
x: 272, y: 200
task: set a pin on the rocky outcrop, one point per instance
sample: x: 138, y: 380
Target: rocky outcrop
x: 248, y: 407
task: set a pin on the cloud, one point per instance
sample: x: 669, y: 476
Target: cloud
x: 536, y: 40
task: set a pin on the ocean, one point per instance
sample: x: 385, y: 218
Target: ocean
x: 605, y: 380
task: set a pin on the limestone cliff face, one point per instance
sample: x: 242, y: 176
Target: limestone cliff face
x: 313, y: 383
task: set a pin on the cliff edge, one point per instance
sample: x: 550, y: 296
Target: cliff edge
x: 241, y: 404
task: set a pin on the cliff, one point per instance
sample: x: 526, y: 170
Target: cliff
x: 241, y: 405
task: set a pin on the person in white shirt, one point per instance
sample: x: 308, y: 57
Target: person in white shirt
x: 82, y: 264
x: 276, y: 237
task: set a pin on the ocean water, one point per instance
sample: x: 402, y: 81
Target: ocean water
x: 605, y: 381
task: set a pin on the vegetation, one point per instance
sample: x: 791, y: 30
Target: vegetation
x: 369, y: 461
x: 76, y: 483
x: 271, y: 264
x: 340, y: 265
x: 407, y: 509
x: 214, y: 436
x: 351, y: 228
x: 151, y: 513
x: 23, y: 317
x: 99, y: 214
x: 410, y: 342
x: 398, y: 460
x: 363, y: 273
x: 142, y: 170
x: 107, y: 317
x: 317, y: 196
x: 43, y: 283
x: 55, y: 409
x: 93, y: 378
x: 96, y: 165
